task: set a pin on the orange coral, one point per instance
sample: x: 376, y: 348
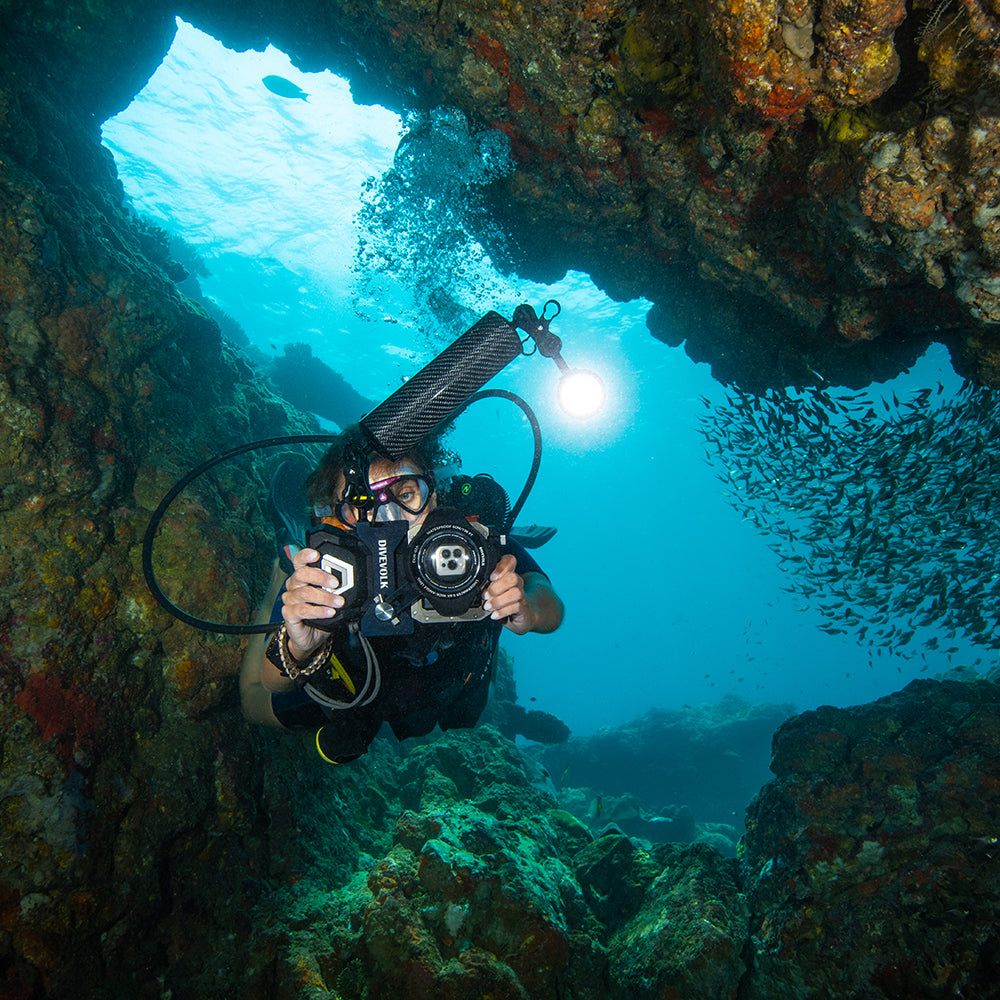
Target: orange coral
x: 187, y: 677
x: 784, y: 102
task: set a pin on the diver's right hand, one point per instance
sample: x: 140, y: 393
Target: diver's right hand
x: 304, y: 599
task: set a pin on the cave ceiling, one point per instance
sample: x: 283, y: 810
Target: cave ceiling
x: 798, y: 187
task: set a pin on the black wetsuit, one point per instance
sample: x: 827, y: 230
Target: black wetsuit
x: 439, y: 675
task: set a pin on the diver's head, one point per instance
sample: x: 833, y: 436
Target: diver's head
x: 401, y: 491
x: 398, y: 490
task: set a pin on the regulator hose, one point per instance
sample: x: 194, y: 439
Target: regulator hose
x: 173, y: 493
x: 536, y: 433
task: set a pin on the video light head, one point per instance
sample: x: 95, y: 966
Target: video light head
x: 581, y: 391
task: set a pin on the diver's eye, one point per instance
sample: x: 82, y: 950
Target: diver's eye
x: 406, y: 492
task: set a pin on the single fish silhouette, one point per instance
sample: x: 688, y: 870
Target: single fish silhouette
x: 284, y: 88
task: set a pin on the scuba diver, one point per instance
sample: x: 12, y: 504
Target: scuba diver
x: 317, y: 673
x: 393, y: 610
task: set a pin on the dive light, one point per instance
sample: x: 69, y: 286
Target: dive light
x: 447, y: 382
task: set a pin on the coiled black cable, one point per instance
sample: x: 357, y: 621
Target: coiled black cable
x: 173, y: 493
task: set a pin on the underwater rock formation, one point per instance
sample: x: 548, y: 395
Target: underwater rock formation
x: 675, y: 768
x: 314, y: 387
x: 447, y: 869
x: 475, y: 884
x: 127, y: 777
x: 872, y: 857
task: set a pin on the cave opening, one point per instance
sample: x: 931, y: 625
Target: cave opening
x: 314, y: 219
x: 278, y: 221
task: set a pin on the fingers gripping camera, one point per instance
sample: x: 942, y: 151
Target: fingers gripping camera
x: 391, y: 575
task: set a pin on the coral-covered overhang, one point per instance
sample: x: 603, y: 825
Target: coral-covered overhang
x: 731, y: 162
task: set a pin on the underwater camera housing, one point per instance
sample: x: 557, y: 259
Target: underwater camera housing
x: 392, y: 574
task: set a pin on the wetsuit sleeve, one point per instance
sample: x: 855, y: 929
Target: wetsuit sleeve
x: 525, y: 561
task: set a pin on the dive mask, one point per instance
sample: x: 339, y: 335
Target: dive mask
x: 399, y: 498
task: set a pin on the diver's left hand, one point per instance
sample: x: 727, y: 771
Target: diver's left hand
x: 504, y: 597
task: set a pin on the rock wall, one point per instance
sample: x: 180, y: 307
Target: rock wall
x: 871, y: 860
x: 128, y: 780
x: 661, y: 774
x: 473, y: 883
x: 868, y: 872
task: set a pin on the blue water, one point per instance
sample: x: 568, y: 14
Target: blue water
x: 671, y: 598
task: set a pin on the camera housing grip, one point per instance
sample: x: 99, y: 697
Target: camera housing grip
x: 391, y: 574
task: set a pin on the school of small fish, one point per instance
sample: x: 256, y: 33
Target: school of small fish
x: 883, y: 510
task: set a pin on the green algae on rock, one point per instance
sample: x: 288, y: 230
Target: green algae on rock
x: 487, y: 887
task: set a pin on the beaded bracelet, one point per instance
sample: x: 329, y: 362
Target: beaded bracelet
x: 278, y: 654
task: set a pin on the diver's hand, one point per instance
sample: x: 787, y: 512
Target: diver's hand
x: 305, y: 598
x: 505, y: 598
